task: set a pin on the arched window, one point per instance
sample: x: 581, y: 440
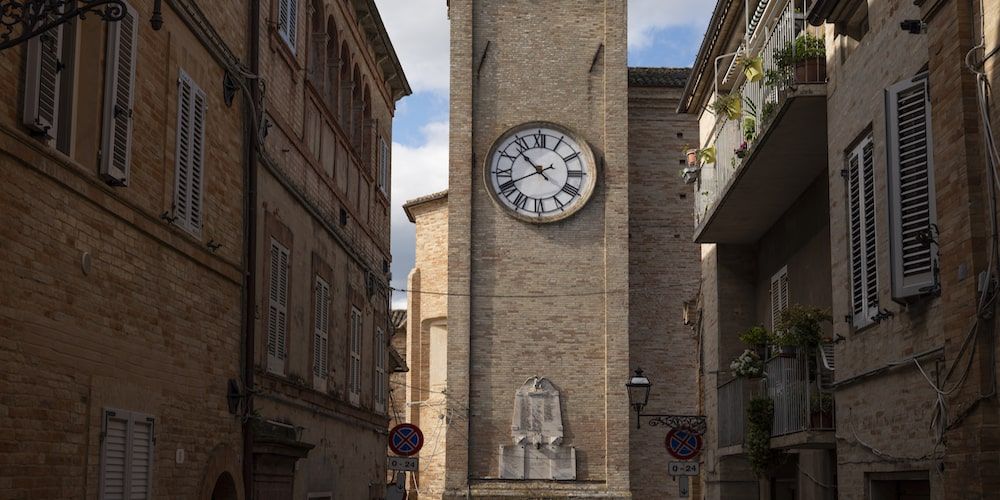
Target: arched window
x: 332, y: 66
x: 317, y: 45
x: 356, y: 111
x: 344, y: 108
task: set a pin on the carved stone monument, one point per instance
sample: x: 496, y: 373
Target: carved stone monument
x: 537, y: 432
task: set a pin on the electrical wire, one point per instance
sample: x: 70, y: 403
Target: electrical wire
x: 645, y: 290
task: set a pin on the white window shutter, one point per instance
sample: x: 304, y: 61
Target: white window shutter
x: 321, y: 329
x: 863, y: 234
x: 380, y: 379
x: 114, y: 455
x: 277, y: 313
x: 383, y: 166
x: 42, y: 82
x: 140, y: 479
x: 190, y: 157
x: 779, y: 295
x: 354, y: 383
x: 287, y: 21
x: 119, y: 89
x: 911, y: 189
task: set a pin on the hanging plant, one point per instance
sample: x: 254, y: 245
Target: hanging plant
x: 760, y: 417
x: 753, y: 68
x: 749, y: 128
x: 729, y: 105
x: 707, y: 155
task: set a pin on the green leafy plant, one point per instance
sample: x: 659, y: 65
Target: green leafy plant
x: 800, y: 326
x: 768, y: 111
x: 821, y: 402
x: 707, y: 155
x: 774, y: 77
x: 756, y: 336
x: 760, y: 417
x: 729, y: 105
x: 747, y: 365
x: 749, y: 128
x: 805, y: 46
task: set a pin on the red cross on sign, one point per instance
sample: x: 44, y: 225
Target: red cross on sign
x: 406, y: 440
x: 683, y: 444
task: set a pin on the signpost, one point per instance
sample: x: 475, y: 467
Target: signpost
x: 684, y: 468
x: 406, y: 440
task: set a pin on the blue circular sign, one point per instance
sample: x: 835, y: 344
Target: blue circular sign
x: 683, y: 444
x: 406, y: 440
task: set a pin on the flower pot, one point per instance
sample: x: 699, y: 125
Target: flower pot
x: 692, y: 155
x: 810, y: 71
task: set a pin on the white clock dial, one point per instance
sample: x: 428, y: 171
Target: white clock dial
x: 540, y: 172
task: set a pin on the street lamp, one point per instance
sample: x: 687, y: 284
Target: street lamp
x: 638, y: 386
x: 638, y: 392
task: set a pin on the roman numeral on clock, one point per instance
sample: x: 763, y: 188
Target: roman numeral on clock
x: 570, y: 190
x: 539, y: 139
x: 522, y: 145
x: 572, y: 157
x: 575, y: 173
x: 521, y: 201
x: 507, y: 188
x: 503, y: 173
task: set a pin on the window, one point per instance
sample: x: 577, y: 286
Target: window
x: 43, y: 83
x: 190, y: 156
x: 383, y: 166
x: 119, y: 82
x: 287, y: 20
x: 354, y: 382
x: 381, y: 382
x: 779, y: 295
x: 126, y: 455
x: 862, y: 234
x: 321, y: 328
x: 912, y: 216
x: 277, y: 309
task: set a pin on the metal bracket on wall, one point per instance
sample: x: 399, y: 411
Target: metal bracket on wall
x: 21, y: 20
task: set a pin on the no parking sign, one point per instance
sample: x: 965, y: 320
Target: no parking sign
x: 406, y: 440
x: 683, y: 443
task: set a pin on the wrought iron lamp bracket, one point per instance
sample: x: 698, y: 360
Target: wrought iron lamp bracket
x: 21, y: 20
x: 696, y: 423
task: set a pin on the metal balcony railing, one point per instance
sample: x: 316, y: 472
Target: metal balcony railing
x: 734, y: 399
x: 793, y: 383
x: 787, y: 46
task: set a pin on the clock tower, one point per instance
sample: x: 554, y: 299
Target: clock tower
x: 538, y: 249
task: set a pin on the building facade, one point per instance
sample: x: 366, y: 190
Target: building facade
x: 323, y: 325
x: 522, y: 334
x: 121, y: 252
x: 864, y: 178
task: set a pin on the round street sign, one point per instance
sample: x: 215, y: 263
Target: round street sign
x: 406, y: 440
x: 683, y: 444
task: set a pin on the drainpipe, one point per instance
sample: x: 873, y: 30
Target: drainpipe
x: 250, y: 245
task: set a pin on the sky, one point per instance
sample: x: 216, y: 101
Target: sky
x: 660, y: 33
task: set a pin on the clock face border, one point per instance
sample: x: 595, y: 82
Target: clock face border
x: 585, y: 194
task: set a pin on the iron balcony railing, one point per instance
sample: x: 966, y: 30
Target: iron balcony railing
x: 799, y: 386
x: 791, y: 52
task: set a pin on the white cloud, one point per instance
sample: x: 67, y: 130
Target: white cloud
x: 419, y: 31
x: 645, y: 17
x: 417, y: 171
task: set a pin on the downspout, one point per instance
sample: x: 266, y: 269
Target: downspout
x: 250, y: 245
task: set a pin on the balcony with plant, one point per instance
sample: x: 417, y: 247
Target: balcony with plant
x: 769, y: 138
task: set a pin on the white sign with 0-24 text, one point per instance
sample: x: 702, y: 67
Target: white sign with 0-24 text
x: 683, y: 468
x: 403, y: 463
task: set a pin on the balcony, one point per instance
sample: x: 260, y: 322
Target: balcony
x: 769, y: 152
x: 799, y: 386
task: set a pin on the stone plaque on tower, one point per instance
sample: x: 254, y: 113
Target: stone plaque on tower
x: 538, y: 451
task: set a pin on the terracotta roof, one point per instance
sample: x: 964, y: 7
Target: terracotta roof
x: 658, y: 77
x: 421, y: 200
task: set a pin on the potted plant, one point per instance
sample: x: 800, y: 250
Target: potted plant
x: 821, y: 410
x: 753, y: 68
x: 707, y: 155
x: 741, y: 152
x: 806, y: 55
x: 727, y: 104
x: 690, y: 174
x: 757, y: 338
x: 692, y: 155
x: 749, y: 128
x: 747, y: 365
x: 768, y: 112
x: 800, y: 327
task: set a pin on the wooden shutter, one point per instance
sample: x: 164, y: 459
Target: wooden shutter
x: 863, y: 235
x: 355, y: 368
x: 383, y: 166
x: 321, y: 329
x: 140, y: 478
x: 42, y: 82
x: 380, y: 379
x: 114, y: 455
x: 779, y: 295
x: 911, y: 189
x: 119, y: 85
x: 277, y: 311
x: 190, y: 157
x: 287, y: 20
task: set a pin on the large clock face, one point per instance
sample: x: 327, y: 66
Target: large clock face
x: 540, y: 172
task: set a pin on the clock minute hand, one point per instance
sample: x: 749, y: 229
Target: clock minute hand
x: 533, y: 173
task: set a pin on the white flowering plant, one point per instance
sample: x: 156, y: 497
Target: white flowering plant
x: 747, y: 365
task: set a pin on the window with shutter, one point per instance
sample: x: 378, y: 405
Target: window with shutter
x: 779, y: 295
x: 863, y: 236
x: 380, y: 379
x: 354, y: 382
x: 287, y: 20
x: 42, y: 83
x: 189, y: 171
x: 912, y: 214
x: 277, y: 309
x: 119, y: 83
x: 321, y: 328
x: 383, y: 166
x: 127, y: 455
